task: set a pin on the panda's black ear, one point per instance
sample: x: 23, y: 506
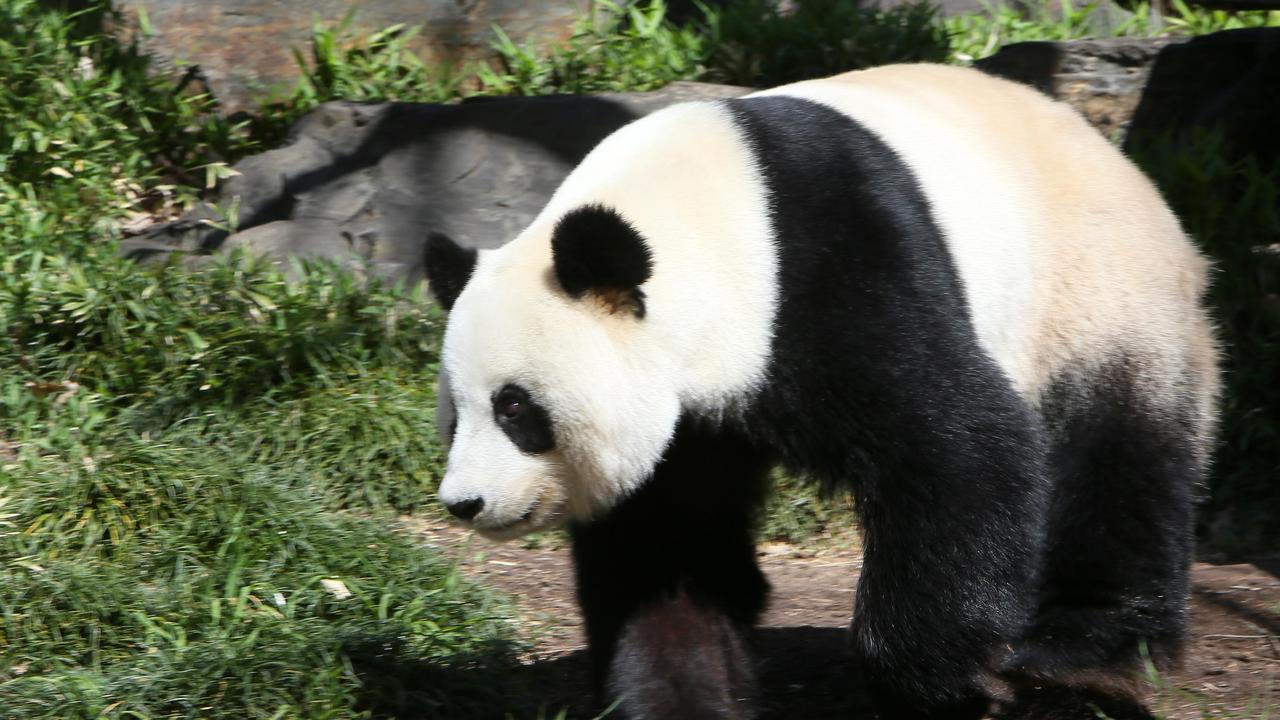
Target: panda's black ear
x: 449, y: 267
x: 597, y: 253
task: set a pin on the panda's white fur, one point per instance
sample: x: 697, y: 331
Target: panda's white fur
x: 1056, y: 238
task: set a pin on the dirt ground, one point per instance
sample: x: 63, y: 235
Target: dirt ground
x: 1231, y: 669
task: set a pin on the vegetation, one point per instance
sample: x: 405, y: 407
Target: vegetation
x: 612, y: 49
x: 195, y: 469
x: 199, y: 471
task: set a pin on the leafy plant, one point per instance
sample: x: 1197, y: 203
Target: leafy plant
x: 83, y: 126
x: 170, y: 577
x: 978, y: 35
x: 1186, y: 20
x: 615, y: 48
x: 348, y: 65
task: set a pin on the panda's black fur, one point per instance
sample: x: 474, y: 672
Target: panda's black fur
x: 1058, y: 542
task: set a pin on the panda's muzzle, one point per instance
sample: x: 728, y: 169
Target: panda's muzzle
x: 467, y: 510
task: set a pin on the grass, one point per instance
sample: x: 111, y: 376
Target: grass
x: 169, y: 578
x: 199, y: 473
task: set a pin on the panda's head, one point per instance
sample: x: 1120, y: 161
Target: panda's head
x: 553, y: 405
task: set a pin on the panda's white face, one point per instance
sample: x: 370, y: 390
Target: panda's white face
x: 645, y: 288
x: 551, y: 410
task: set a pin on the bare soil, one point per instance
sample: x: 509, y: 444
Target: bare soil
x: 1231, y: 668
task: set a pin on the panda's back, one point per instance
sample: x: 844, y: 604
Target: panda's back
x: 1065, y: 251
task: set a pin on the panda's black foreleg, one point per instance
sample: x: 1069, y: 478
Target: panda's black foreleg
x: 952, y: 512
x: 669, y: 586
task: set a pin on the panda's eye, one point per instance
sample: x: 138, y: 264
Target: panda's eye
x: 510, y: 402
x: 512, y: 409
x: 523, y: 420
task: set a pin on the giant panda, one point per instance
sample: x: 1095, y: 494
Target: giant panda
x: 939, y: 289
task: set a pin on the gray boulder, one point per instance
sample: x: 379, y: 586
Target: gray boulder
x: 363, y: 184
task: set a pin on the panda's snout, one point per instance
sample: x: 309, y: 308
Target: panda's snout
x: 466, y: 509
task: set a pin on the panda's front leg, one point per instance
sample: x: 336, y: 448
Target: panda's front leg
x: 669, y: 586
x: 952, y: 521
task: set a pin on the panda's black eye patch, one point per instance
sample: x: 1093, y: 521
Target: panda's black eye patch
x: 523, y: 420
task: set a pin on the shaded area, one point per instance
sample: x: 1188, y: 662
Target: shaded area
x: 1205, y: 131
x: 397, y: 683
x: 804, y: 674
x: 1145, y: 88
x: 1226, y: 80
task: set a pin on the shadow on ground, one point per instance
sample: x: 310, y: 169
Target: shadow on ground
x: 804, y: 674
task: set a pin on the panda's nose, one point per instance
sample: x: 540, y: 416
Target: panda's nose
x: 466, y: 509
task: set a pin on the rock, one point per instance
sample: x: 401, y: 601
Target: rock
x: 244, y: 48
x: 1103, y: 79
x: 363, y: 184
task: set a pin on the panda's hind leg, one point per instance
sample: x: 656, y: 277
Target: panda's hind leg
x: 1114, y: 583
x: 669, y: 586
